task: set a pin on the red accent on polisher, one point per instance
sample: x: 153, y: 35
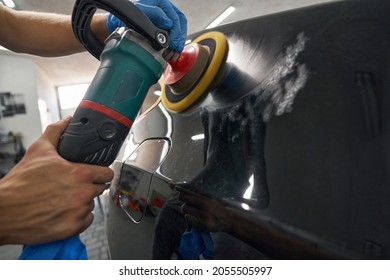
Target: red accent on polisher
x: 184, y: 72
x: 178, y: 68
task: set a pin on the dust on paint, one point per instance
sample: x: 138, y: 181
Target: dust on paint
x: 275, y: 94
x: 284, y: 82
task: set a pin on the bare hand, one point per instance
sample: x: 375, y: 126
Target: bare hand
x: 46, y: 198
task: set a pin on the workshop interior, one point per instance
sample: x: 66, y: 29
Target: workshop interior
x: 265, y: 138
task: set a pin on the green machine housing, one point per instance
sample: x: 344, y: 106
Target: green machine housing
x: 131, y: 62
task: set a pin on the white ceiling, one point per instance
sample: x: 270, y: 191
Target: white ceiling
x: 80, y: 68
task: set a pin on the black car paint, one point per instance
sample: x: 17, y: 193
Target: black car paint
x: 295, y: 155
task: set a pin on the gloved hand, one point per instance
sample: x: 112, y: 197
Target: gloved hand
x: 164, y: 15
x: 195, y: 242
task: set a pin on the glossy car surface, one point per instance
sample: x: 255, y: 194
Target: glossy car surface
x: 287, y: 158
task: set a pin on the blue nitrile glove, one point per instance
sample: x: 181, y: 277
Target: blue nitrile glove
x: 68, y: 249
x: 164, y: 15
x: 194, y: 243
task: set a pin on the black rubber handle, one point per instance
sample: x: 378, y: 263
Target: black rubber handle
x: 124, y: 10
x: 94, y: 141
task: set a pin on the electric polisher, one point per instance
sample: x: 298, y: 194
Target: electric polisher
x: 132, y: 60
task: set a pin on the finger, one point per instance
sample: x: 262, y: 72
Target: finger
x: 95, y: 174
x: 167, y: 7
x: 113, y: 23
x: 156, y: 15
x: 175, y: 32
x: 91, y: 205
x: 54, y: 131
x: 92, y: 191
x: 103, y: 175
x: 179, y: 43
x: 99, y: 189
x: 87, y: 221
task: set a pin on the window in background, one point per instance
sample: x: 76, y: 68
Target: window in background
x: 69, y: 98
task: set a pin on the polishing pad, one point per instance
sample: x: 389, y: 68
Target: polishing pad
x: 196, y: 71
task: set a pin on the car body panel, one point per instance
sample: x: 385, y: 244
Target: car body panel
x: 290, y: 151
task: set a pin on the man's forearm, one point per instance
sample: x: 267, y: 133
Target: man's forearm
x: 43, y: 34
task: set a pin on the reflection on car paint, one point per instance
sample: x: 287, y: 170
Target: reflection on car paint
x: 133, y: 192
x: 276, y: 162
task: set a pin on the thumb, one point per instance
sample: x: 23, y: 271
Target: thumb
x: 53, y: 132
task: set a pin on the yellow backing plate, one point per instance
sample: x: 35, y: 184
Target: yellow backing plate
x: 212, y: 73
